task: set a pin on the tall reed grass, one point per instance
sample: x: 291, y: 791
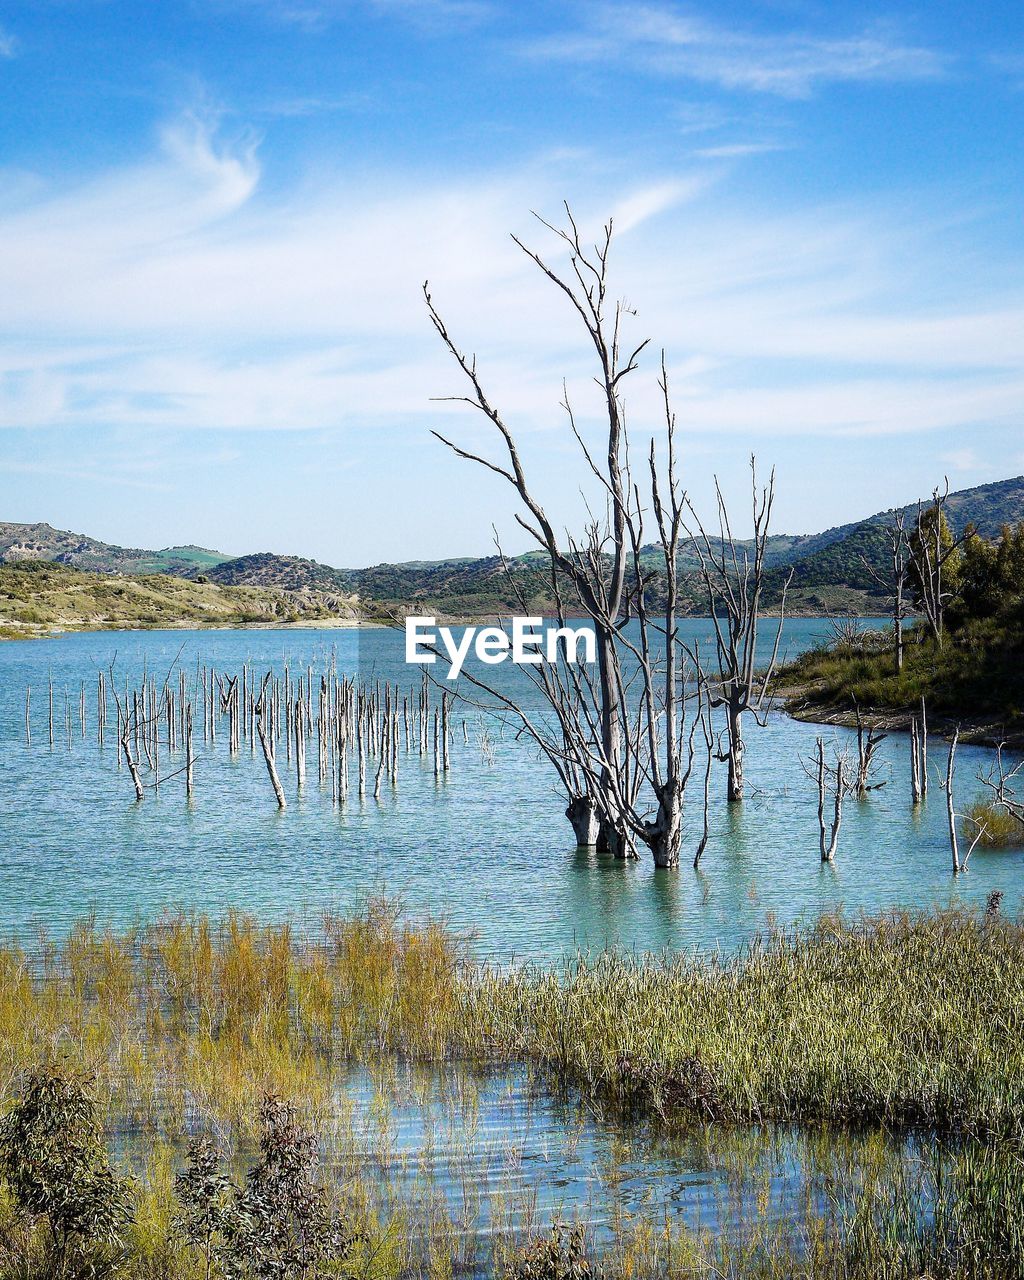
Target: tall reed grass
x: 901, y: 1020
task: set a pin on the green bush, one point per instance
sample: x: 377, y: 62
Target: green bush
x: 559, y: 1255
x: 55, y: 1163
x: 1000, y: 829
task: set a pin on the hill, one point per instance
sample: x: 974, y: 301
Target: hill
x: 265, y: 569
x: 38, y: 597
x: 832, y: 570
x: 19, y: 542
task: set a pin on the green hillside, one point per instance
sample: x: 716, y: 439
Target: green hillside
x: 972, y: 672
x: 36, y: 542
x: 832, y: 570
x: 40, y: 597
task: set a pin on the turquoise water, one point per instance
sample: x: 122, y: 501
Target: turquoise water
x: 487, y: 846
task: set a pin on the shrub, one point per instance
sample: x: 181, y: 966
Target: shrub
x: 1001, y: 829
x: 206, y: 1195
x: 54, y: 1160
x: 284, y: 1224
x: 560, y: 1255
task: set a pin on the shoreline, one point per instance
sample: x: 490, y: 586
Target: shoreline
x: 190, y: 624
x: 9, y: 631
x: 978, y: 731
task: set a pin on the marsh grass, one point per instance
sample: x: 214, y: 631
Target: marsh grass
x: 999, y: 829
x: 911, y: 1022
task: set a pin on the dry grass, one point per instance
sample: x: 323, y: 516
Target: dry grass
x: 900, y: 1020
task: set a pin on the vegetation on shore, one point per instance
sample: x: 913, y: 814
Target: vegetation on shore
x: 39, y: 597
x: 972, y: 672
x: 903, y: 1020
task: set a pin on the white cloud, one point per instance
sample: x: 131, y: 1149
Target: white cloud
x: 314, y: 16
x: 666, y: 42
x: 178, y: 295
x: 960, y: 459
x: 737, y: 150
x: 8, y: 44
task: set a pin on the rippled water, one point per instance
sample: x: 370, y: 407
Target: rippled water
x: 503, y: 1156
x: 484, y: 1159
x: 488, y: 846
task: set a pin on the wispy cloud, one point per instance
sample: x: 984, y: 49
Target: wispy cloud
x: 8, y: 44
x: 299, y: 108
x: 737, y: 150
x: 670, y: 42
x: 91, y: 475
x: 178, y: 295
x: 960, y: 460
x: 315, y: 16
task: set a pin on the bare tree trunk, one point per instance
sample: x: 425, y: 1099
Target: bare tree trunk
x: 268, y: 756
x: 923, y: 747
x: 584, y: 819
x: 735, y: 718
x: 665, y: 835
x: 915, y: 762
x: 867, y: 745
x: 897, y: 622
x: 707, y: 808
x: 829, y: 838
x: 611, y: 839
x: 954, y: 847
x: 267, y: 743
x: 130, y: 760
x: 189, y: 757
x: 959, y: 864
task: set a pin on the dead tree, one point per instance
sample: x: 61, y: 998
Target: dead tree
x: 704, y: 718
x: 959, y: 864
x: 599, y: 585
x: 919, y: 755
x: 189, y: 753
x: 1000, y: 781
x: 931, y: 551
x: 733, y: 582
x: 831, y: 780
x: 266, y: 743
x: 613, y: 734
x: 126, y: 749
x: 915, y: 761
x: 867, y: 744
x: 127, y: 728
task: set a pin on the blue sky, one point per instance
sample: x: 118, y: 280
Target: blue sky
x: 215, y: 219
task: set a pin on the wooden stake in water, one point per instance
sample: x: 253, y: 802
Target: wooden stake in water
x: 268, y: 747
x: 189, y: 757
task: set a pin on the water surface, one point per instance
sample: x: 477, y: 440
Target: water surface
x: 487, y: 846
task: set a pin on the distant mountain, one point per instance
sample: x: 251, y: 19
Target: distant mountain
x: 265, y: 569
x: 850, y: 556
x: 20, y: 542
x: 832, y: 570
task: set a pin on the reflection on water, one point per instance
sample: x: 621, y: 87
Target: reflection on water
x: 487, y: 847
x: 481, y: 1160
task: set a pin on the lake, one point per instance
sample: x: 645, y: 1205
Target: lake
x: 486, y: 847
